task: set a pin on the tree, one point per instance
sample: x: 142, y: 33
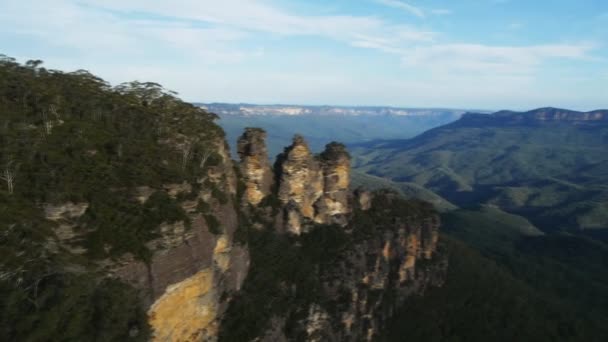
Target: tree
x: 8, y: 175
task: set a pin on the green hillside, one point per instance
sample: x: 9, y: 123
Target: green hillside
x: 507, y: 281
x: 553, y: 171
x: 484, y: 300
x: 407, y: 190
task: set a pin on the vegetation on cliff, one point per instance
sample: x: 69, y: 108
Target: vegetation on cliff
x: 291, y: 273
x: 548, y: 165
x: 70, y: 140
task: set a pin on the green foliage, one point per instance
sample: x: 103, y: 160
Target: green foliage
x: 511, y: 283
x: 553, y: 173
x: 482, y: 301
x: 124, y: 225
x: 203, y: 207
x: 66, y: 307
x: 219, y: 195
x: 568, y: 268
x: 278, y: 266
x: 387, y: 208
x: 71, y: 137
x: 285, y: 271
x: 369, y: 182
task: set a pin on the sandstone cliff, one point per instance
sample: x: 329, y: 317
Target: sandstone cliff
x: 195, y: 265
x: 382, y: 250
x: 300, y: 184
x: 130, y: 221
x: 192, y: 272
x: 339, y: 283
x: 311, y: 189
x: 255, y: 166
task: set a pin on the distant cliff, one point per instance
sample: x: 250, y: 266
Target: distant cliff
x: 537, y: 116
x: 296, y: 110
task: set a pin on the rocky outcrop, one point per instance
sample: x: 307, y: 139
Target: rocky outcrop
x: 300, y: 184
x: 310, y: 188
x: 373, y: 277
x: 356, y: 277
x: 333, y: 206
x: 254, y: 165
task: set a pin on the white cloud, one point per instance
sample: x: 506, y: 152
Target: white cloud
x: 190, y: 24
x: 516, y: 60
x: 417, y: 11
x: 252, y: 15
x: 515, y: 26
x: 184, y: 45
x: 441, y: 11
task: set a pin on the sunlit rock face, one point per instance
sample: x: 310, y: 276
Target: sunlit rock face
x: 300, y: 182
x: 192, y: 273
x: 370, y: 278
x: 333, y: 206
x: 313, y: 188
x: 187, y: 311
x: 255, y: 165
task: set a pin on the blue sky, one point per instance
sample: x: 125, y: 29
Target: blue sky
x: 486, y: 54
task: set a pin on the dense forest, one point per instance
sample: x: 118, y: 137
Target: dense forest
x: 71, y: 137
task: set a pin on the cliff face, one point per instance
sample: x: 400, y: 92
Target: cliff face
x: 339, y: 283
x: 370, y: 279
x: 193, y: 269
x: 134, y: 228
x: 333, y: 206
x: 361, y: 254
x: 536, y: 117
x: 196, y: 271
x: 255, y: 166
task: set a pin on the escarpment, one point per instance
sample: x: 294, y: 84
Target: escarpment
x: 130, y: 221
x: 338, y: 283
x: 193, y: 270
x: 328, y: 264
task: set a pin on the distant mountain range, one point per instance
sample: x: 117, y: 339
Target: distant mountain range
x: 296, y: 110
x: 549, y: 165
x: 323, y: 124
x: 537, y: 116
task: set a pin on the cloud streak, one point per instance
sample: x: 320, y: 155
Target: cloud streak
x: 212, y: 50
x: 417, y: 11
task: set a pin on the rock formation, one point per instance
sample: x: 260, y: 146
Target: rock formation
x: 255, y: 166
x: 387, y: 252
x: 310, y: 188
x: 333, y: 206
x: 300, y: 183
x: 194, y: 273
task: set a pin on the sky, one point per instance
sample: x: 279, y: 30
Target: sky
x: 481, y: 54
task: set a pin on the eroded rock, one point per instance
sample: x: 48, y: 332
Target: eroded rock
x: 255, y: 165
